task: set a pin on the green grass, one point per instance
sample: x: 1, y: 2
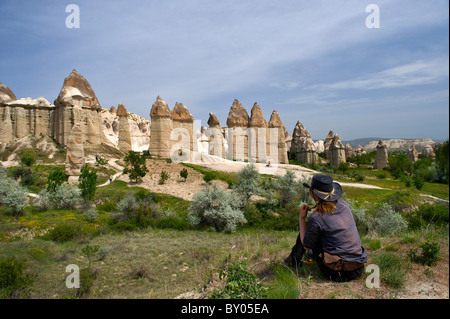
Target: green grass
x: 228, y: 177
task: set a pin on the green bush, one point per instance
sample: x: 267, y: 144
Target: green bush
x: 239, y: 283
x: 426, y: 215
x: 87, y: 182
x: 55, y: 179
x: 63, y: 197
x: 14, y: 281
x: 401, y: 200
x: 12, y: 195
x: 388, y: 221
x: 184, y: 173
x: 214, y: 207
x: 248, y: 180
x: 429, y: 255
x: 27, y: 157
x: 392, y: 269
x: 208, y: 177
x: 163, y: 177
x: 418, y: 182
x: 64, y: 232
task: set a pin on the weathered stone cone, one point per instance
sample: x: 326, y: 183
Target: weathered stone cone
x: 125, y: 144
x: 215, y: 138
x: 113, y: 109
x: 258, y: 134
x: 359, y: 150
x: 183, y: 124
x: 236, y: 132
x: 160, y: 129
x: 275, y: 123
x: 75, y: 151
x: 381, y: 157
x: 299, y: 136
x: 238, y: 116
x: 348, y: 150
x: 327, y: 143
x: 412, y: 154
x: 307, y: 152
x: 77, y: 91
x: 337, y: 152
x: 6, y: 94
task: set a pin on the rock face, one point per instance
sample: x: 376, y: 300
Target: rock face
x: 359, y: 150
x: 428, y: 151
x: 401, y: 145
x: 327, y: 143
x: 75, y: 151
x: 236, y: 133
x: 302, y: 146
x: 6, y: 95
x: 337, y: 152
x: 412, y: 154
x: 77, y: 103
x: 348, y: 150
x: 183, y: 134
x: 381, y: 158
x: 275, y: 123
x: 160, y: 129
x: 258, y: 134
x: 320, y: 148
x: 124, y: 129
x: 27, y: 116
x: 215, y: 137
x: 139, y: 129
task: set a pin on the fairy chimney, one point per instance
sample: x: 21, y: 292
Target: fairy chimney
x: 275, y: 125
x: 337, y: 152
x: 236, y: 132
x: 124, y: 129
x: 160, y: 129
x: 381, y: 157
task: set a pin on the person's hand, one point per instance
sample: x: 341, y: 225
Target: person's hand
x: 304, y: 209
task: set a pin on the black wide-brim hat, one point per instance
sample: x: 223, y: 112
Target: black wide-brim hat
x: 323, y: 186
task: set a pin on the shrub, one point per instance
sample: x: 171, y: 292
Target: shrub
x: 287, y: 187
x: 392, y: 267
x: 418, y: 182
x: 252, y: 214
x: 429, y: 255
x: 127, y: 205
x: 426, y: 215
x: 90, y: 214
x: 64, y: 232
x: 215, y: 208
x: 55, y: 179
x: 184, y: 173
x: 208, y: 177
x: 14, y: 281
x: 388, y: 221
x: 63, y: 197
x: 442, y: 161
x: 163, y: 177
x: 240, y: 284
x: 248, y: 181
x: 401, y: 200
x: 28, y: 157
x: 25, y: 175
x: 12, y: 195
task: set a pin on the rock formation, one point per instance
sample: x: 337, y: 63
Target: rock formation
x: 401, y: 145
x: 236, y: 132
x: 412, y: 154
x: 75, y: 153
x: 320, y: 148
x: 160, y: 129
x: 302, y: 146
x: 337, y: 152
x: 124, y: 129
x: 381, y: 158
x: 348, y: 150
x: 276, y: 124
x: 6, y: 95
x: 359, y: 150
x: 215, y: 137
x: 327, y: 143
x: 183, y: 134
x: 258, y: 134
x: 428, y: 151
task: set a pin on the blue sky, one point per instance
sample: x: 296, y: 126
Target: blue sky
x: 313, y: 61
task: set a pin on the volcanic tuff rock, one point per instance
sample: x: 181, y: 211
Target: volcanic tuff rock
x: 160, y: 129
x: 302, y: 146
x: 428, y: 151
x: 181, y: 113
x: 401, y: 145
x: 327, y: 143
x: 337, y: 151
x: 124, y: 129
x: 258, y: 134
x: 214, y: 137
x: 238, y: 116
x: 257, y: 117
x: 6, y: 94
x: 77, y: 91
x: 275, y: 122
x: 183, y: 134
x: 75, y: 151
x: 213, y: 121
x: 381, y: 158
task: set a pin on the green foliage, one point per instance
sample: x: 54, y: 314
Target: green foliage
x: 135, y: 166
x: 64, y: 232
x: 13, y: 196
x: 55, y: 179
x: 15, y: 282
x: 399, y: 165
x: 284, y: 285
x: 418, y: 182
x: 343, y: 167
x: 184, y: 173
x: 28, y: 157
x: 239, y: 283
x: 214, y: 207
x: 64, y: 197
x: 248, y: 181
x: 288, y: 187
x: 163, y: 177
x: 208, y: 177
x: 363, y: 159
x: 89, y: 252
x: 87, y: 182
x: 387, y: 221
x: 426, y: 215
x: 25, y: 174
x: 442, y: 160
x: 392, y: 269
x: 429, y: 255
x: 401, y: 200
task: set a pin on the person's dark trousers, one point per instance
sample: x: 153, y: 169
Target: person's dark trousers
x: 298, y: 251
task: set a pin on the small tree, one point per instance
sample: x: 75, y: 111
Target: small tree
x: 136, y: 166
x: 87, y: 182
x: 184, y: 173
x: 248, y: 182
x: 163, y: 177
x: 55, y: 179
x: 287, y: 187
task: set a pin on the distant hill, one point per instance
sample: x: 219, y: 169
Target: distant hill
x: 363, y: 141
x: 393, y: 144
